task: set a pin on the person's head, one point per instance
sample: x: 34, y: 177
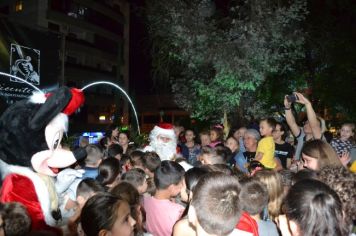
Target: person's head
x: 129, y: 193
x: 313, y: 208
x: 178, y: 129
x: 267, y: 126
x: 189, y: 135
x: 191, y: 178
x: 136, y: 177
x: 215, y: 206
x: 343, y: 182
x: 164, y: 141
x: 233, y: 144
x: 204, y: 138
x: 87, y: 188
x: 125, y: 163
x: 251, y: 139
x: 109, y: 171
x: 253, y: 196
x: 287, y: 179
x: 105, y: 142
x: 169, y: 176
x: 209, y: 156
x: 137, y: 159
x: 94, y: 155
x: 124, y: 138
x: 151, y: 162
x: 15, y: 219
x: 217, y: 133
x: 307, y: 128
x: 106, y: 214
x: 115, y: 151
x: 274, y: 184
x: 347, y: 131
x: 83, y: 142
x: 112, y: 131
x: 304, y: 174
x: 280, y: 132
x: 239, y: 133
x: 316, y: 154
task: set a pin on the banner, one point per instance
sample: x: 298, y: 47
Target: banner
x: 30, y: 54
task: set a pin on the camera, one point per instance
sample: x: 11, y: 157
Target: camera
x: 292, y: 98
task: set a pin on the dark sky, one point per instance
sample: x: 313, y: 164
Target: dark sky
x: 140, y: 62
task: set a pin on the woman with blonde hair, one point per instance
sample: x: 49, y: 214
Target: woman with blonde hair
x: 274, y: 184
x: 317, y: 154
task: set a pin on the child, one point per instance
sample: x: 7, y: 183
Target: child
x: 151, y: 162
x: 137, y: 178
x: 216, y: 136
x: 92, y: 161
x: 209, y: 156
x: 14, y: 219
x: 254, y: 198
x: 129, y: 193
x: 86, y: 189
x: 106, y: 214
x: 265, y: 148
x: 137, y: 159
x: 343, y: 144
x: 215, y: 208
x: 109, y: 172
x: 204, y: 138
x: 161, y: 212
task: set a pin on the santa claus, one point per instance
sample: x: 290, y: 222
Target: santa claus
x: 163, y: 141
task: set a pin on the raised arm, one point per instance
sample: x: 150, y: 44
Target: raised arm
x: 290, y: 118
x: 312, y: 119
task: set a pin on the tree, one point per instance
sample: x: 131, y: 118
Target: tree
x: 217, y: 53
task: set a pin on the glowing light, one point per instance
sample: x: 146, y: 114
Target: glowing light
x: 102, y: 118
x: 15, y: 77
x: 122, y: 91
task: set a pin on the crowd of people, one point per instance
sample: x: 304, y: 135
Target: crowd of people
x: 247, y: 182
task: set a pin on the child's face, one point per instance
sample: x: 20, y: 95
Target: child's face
x: 277, y: 133
x: 265, y: 129
x: 232, y: 144
x: 346, y: 132
x: 205, y: 140
x: 189, y: 136
x: 124, y: 223
x: 213, y: 135
x: 123, y: 140
x: 310, y: 162
x: 176, y: 188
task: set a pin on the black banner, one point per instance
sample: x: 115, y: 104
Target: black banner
x: 30, y: 54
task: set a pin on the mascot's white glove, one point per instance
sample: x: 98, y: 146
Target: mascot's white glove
x: 65, y: 178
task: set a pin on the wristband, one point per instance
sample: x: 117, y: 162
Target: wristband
x: 286, y: 108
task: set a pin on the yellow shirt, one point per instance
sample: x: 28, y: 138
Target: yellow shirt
x: 266, y: 147
x: 353, y: 167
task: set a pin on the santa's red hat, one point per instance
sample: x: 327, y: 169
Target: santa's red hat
x: 165, y: 129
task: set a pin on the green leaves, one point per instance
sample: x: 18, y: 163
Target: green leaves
x: 216, y: 54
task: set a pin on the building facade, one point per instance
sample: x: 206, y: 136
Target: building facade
x: 94, y: 47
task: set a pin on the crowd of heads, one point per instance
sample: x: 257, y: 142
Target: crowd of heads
x: 248, y: 182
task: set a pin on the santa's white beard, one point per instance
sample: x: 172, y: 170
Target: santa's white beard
x: 165, y: 151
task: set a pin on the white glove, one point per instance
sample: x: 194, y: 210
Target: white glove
x: 65, y: 178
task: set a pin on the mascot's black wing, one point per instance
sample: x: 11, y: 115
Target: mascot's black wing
x: 54, y: 104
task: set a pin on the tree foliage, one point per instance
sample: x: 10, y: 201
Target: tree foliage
x: 216, y: 55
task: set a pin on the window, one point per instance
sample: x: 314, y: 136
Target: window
x: 18, y: 6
